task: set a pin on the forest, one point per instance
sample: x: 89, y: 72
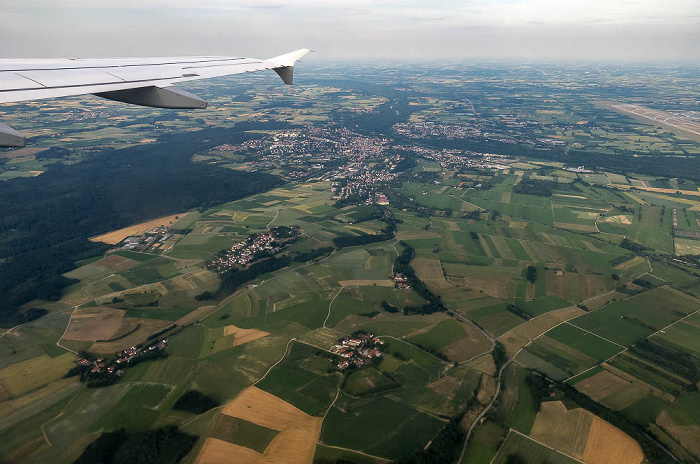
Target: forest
x: 45, y: 221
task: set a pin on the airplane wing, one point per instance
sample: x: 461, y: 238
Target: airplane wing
x: 139, y: 81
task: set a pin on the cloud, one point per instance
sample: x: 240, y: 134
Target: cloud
x: 360, y: 28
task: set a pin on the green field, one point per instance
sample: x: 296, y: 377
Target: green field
x: 584, y: 342
x: 443, y: 334
x: 366, y: 381
x: 475, y: 230
x: 242, y: 432
x: 629, y: 321
x: 293, y: 380
x: 397, y: 429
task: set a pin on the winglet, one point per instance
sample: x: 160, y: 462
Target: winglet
x: 284, y: 64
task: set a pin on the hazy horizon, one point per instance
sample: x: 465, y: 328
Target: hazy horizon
x: 598, y: 30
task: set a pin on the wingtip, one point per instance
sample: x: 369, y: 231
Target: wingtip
x: 288, y: 59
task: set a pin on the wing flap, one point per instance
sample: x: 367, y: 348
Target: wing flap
x: 12, y: 81
x: 69, y: 77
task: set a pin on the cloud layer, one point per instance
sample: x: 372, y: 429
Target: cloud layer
x: 384, y: 29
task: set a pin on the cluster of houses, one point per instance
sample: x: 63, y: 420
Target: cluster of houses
x: 153, y: 238
x: 252, y: 249
x: 123, y: 359
x: 401, y: 281
x: 357, y: 351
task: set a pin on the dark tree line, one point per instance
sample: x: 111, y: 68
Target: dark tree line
x: 402, y: 265
x: 355, y: 240
x: 445, y: 448
x: 167, y: 445
x: 231, y: 280
x: 632, y: 246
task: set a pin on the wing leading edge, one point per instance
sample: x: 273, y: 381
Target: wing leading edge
x: 145, y: 82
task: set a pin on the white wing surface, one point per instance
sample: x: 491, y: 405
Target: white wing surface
x: 139, y: 81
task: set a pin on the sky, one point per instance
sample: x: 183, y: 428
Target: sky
x: 599, y: 30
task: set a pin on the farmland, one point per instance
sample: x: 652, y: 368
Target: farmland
x: 538, y: 230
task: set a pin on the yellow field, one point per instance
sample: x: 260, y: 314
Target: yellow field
x: 114, y: 237
x: 584, y: 436
x: 295, y: 444
x: 686, y: 246
x: 610, y: 445
x: 27, y: 375
x: 242, y: 336
x: 566, y: 431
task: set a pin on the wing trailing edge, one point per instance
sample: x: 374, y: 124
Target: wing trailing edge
x: 138, y: 81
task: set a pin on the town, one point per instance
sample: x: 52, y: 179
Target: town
x: 254, y: 248
x: 358, y: 350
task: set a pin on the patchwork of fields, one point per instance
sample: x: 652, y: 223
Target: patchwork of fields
x: 546, y: 278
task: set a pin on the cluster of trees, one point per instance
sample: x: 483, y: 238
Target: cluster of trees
x: 312, y: 254
x: 542, y: 188
x: 196, y: 402
x: 499, y: 355
x: 167, y: 445
x: 531, y: 274
x: 632, y: 246
x: 518, y: 312
x: 45, y: 221
x: 388, y: 307
x: 402, y: 265
x: 204, y: 296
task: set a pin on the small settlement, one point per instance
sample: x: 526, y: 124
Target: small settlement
x: 400, y: 281
x: 123, y: 359
x: 254, y: 248
x: 358, y: 350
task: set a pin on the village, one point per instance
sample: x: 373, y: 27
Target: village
x: 358, y: 350
x: 90, y: 369
x: 254, y: 248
